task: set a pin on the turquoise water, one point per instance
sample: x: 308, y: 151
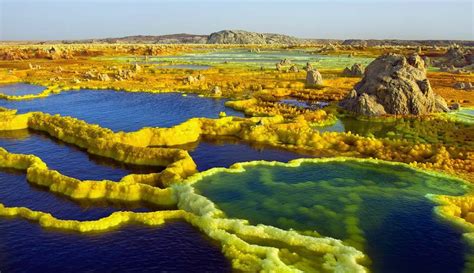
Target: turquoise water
x: 380, y: 209
x: 20, y: 89
x: 125, y: 111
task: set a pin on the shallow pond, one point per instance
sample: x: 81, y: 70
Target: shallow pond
x: 380, y: 209
x: 125, y: 111
x: 20, y: 89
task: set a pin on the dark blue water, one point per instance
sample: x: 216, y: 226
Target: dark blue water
x: 414, y: 241
x: 209, y: 153
x: 67, y: 159
x: 174, y: 247
x: 19, y: 89
x: 15, y: 191
x: 125, y: 111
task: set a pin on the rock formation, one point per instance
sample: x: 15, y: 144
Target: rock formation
x: 464, y: 86
x: 355, y: 71
x: 294, y: 69
x: 313, y: 78
x: 308, y: 67
x: 458, y: 57
x: 216, y: 91
x: 278, y: 67
x: 247, y: 37
x: 285, y: 62
x: 394, y: 84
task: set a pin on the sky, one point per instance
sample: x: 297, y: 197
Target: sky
x: 340, y: 19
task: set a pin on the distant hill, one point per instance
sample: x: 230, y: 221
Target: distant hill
x: 181, y: 38
x: 247, y: 37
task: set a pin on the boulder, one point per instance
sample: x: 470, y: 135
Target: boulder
x: 278, y: 67
x: 294, y: 69
x: 136, y: 68
x: 216, y: 91
x: 103, y: 77
x: 190, y: 79
x: 313, y: 78
x: 464, y: 86
x: 394, y: 84
x: 455, y: 106
x: 285, y: 62
x: 355, y: 71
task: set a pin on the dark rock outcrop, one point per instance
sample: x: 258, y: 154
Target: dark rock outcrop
x: 394, y: 84
x: 355, y: 71
x: 458, y: 57
x: 456, y: 60
x: 464, y: 86
x: 294, y: 69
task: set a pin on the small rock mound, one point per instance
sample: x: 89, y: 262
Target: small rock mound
x: 464, y: 86
x: 355, y: 71
x: 458, y: 57
x: 313, y: 78
x: 394, y: 84
x: 294, y: 69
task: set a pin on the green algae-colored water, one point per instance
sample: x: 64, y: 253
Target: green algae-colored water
x: 422, y: 131
x: 243, y: 57
x: 378, y: 208
x: 465, y: 115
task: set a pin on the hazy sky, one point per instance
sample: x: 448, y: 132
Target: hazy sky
x: 77, y: 19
